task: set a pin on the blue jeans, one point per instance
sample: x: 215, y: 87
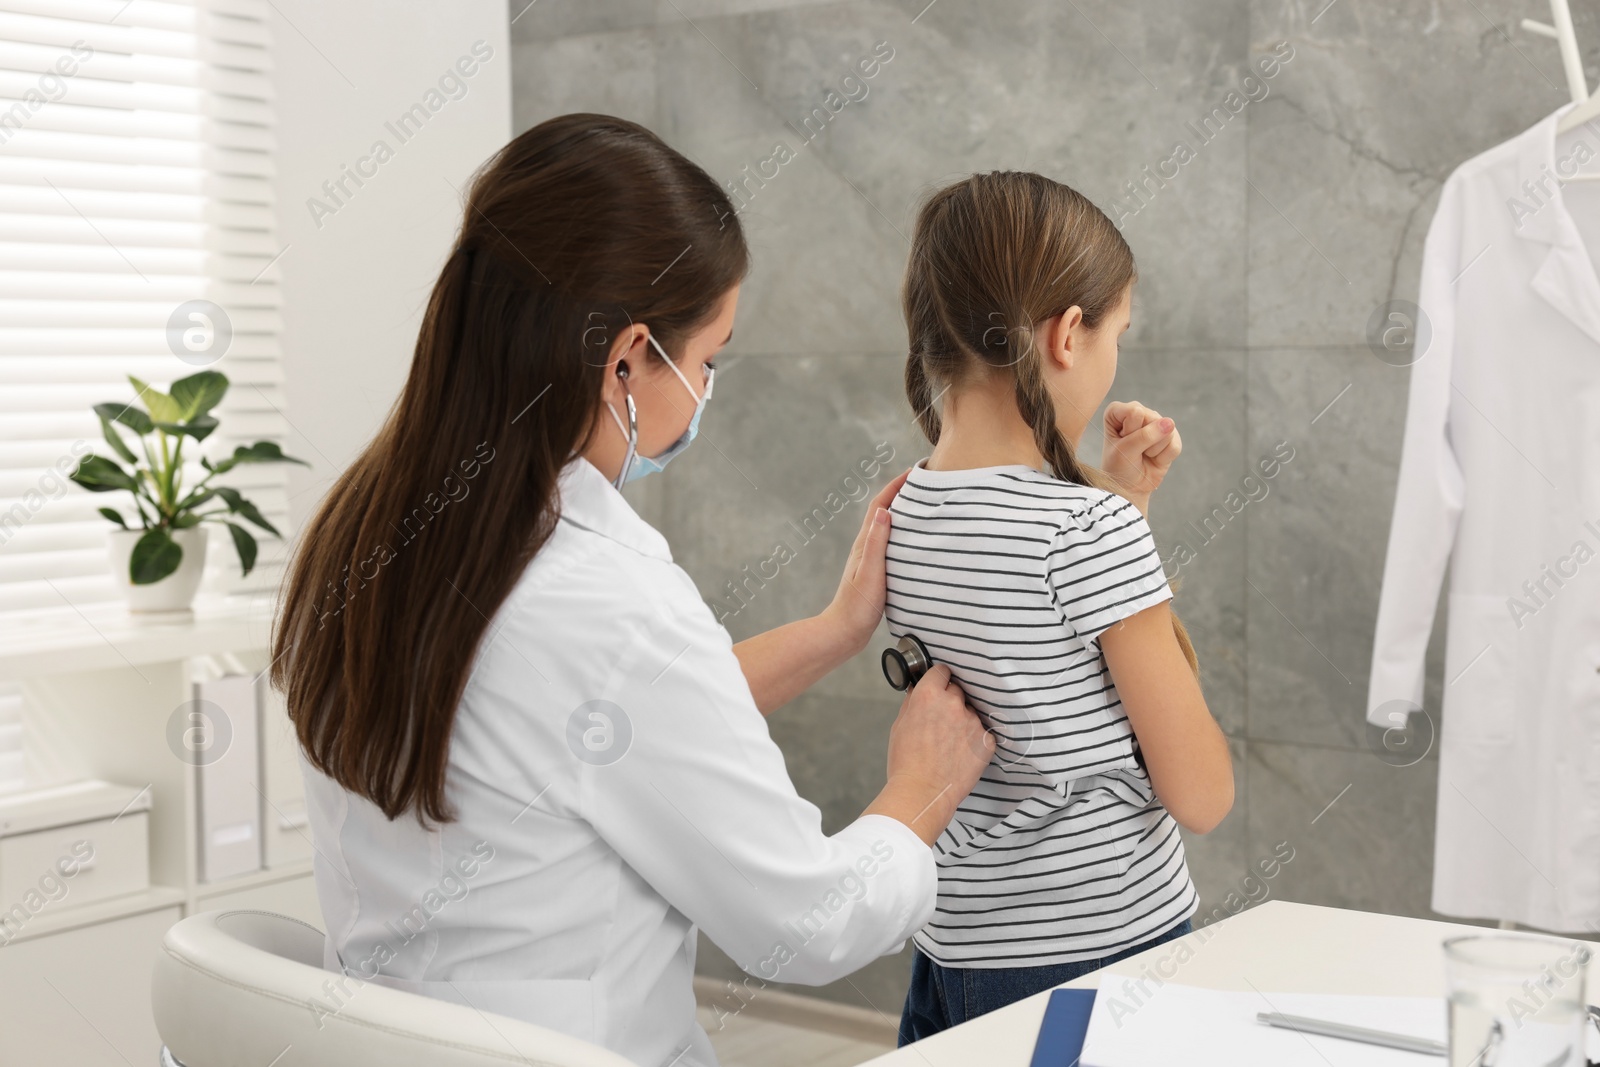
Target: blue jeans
x: 941, y: 997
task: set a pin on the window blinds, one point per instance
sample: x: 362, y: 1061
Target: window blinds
x: 135, y: 176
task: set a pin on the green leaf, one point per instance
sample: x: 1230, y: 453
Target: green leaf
x: 99, y: 475
x: 244, y: 544
x: 240, y: 506
x: 114, y: 439
x: 115, y: 516
x: 184, y: 521
x: 155, y: 556
x: 199, y: 428
x: 260, y: 452
x: 161, y: 406
x: 198, y: 393
x: 195, y: 499
x: 130, y: 416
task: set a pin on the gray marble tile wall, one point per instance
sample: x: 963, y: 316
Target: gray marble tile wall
x: 1299, y: 208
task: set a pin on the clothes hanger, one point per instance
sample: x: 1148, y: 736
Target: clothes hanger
x: 1586, y: 107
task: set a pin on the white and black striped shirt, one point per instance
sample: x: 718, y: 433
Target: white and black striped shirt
x: 1062, y: 852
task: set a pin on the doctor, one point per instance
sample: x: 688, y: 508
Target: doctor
x: 534, y: 762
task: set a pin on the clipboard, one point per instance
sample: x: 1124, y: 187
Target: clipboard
x: 1066, y: 1021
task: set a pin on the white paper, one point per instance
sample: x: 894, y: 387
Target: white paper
x: 1176, y: 1024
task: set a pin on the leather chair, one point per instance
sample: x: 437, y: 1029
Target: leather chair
x: 242, y: 989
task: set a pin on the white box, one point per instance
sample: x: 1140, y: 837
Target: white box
x: 227, y: 777
x: 73, y: 844
x: 284, y: 831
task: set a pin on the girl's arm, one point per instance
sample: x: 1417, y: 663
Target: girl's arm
x: 1184, y: 750
x: 782, y: 663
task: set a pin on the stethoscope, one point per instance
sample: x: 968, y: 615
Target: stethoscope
x: 905, y: 663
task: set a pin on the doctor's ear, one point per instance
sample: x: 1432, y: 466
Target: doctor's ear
x: 628, y: 348
x: 623, y: 358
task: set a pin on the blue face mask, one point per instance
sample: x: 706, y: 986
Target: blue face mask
x: 635, y: 466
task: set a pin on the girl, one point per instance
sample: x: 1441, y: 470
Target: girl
x: 1036, y: 581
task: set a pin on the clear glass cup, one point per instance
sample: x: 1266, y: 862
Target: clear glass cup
x: 1516, y: 1000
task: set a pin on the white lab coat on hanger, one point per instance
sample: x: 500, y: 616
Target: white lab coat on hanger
x: 1500, y: 475
x: 615, y: 788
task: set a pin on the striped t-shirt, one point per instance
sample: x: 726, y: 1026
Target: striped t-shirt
x: 1062, y: 852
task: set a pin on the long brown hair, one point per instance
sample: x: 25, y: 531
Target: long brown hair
x: 993, y: 256
x: 577, y: 228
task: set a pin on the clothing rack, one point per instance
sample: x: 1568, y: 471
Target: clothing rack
x: 1559, y: 28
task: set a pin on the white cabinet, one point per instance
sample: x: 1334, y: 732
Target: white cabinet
x: 72, y: 859
x: 82, y: 996
x: 101, y: 695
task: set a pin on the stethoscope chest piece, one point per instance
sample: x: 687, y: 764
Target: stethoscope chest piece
x: 905, y: 663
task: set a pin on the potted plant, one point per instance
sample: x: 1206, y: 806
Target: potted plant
x: 158, y: 562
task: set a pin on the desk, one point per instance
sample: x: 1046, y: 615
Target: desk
x: 1277, y: 946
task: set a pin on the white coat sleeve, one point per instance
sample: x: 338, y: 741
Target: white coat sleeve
x: 1430, y: 495
x: 702, y: 808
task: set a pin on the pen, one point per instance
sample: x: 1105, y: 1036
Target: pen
x: 1353, y: 1033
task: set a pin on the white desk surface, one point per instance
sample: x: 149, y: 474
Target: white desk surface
x: 105, y: 636
x: 1275, y: 947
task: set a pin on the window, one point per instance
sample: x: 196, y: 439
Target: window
x: 135, y: 162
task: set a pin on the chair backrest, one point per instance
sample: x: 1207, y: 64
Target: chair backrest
x: 238, y: 988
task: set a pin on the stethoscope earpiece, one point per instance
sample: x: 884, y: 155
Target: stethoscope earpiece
x: 905, y: 663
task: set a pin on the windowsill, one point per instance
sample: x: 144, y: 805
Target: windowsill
x: 105, y: 636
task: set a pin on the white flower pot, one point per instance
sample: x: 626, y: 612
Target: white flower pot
x: 172, y: 596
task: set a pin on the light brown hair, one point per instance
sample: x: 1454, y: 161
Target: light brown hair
x: 992, y: 257
x: 567, y: 237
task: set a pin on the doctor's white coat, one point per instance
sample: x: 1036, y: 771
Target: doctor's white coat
x: 616, y: 788
x: 1500, y: 476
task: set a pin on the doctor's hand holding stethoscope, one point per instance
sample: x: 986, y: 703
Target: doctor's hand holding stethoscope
x: 494, y: 666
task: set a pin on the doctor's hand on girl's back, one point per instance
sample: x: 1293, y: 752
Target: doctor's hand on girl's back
x: 938, y: 748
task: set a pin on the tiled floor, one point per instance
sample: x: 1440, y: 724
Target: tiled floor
x: 747, y: 1042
